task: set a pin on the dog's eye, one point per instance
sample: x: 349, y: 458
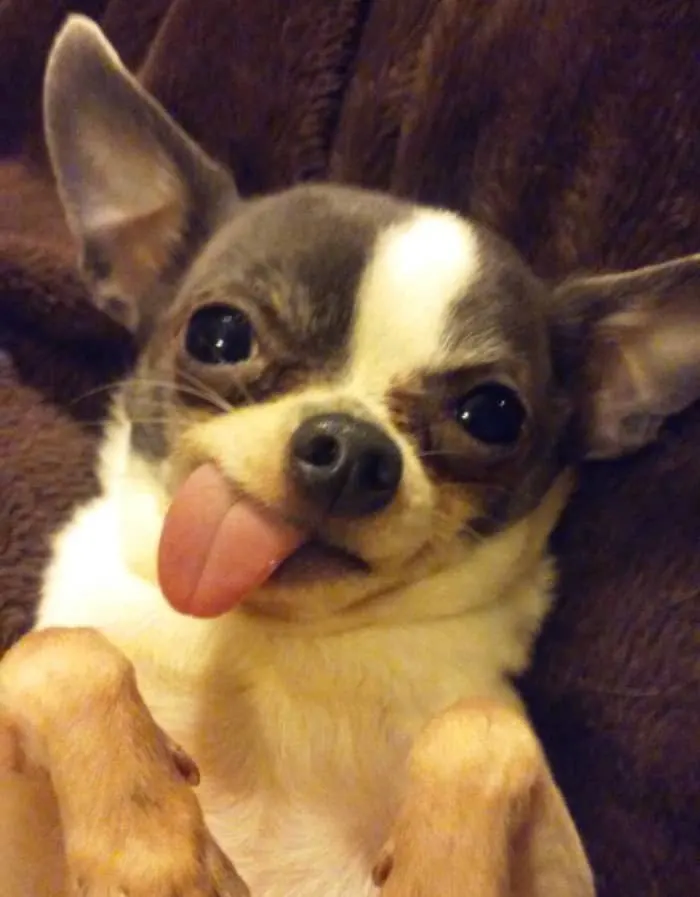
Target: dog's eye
x: 219, y: 334
x: 491, y: 413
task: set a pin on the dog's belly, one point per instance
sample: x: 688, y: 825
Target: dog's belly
x: 289, y: 836
x: 293, y: 851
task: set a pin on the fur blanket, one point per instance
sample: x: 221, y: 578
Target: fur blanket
x: 573, y: 128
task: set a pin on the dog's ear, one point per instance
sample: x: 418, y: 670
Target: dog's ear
x: 139, y: 195
x: 629, y: 347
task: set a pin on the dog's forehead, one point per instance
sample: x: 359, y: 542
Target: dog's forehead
x: 391, y: 287
x: 440, y: 292
x: 418, y: 269
x: 317, y: 236
x: 305, y: 250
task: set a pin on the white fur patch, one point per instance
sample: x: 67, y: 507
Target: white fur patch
x: 418, y: 270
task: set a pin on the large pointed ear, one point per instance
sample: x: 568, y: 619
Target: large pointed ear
x: 139, y: 195
x: 629, y: 345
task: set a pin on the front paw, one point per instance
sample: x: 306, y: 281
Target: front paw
x: 154, y: 842
x: 132, y: 825
x: 210, y: 875
x: 155, y: 851
x: 481, y: 815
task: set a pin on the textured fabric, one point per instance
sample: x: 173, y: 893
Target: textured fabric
x: 571, y: 127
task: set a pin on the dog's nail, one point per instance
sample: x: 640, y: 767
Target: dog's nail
x: 186, y: 766
x: 11, y: 754
x: 227, y: 880
x: 383, y: 866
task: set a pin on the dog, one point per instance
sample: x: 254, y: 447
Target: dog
x: 319, y: 555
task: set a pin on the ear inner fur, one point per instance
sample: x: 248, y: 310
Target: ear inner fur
x: 140, y: 196
x: 629, y: 343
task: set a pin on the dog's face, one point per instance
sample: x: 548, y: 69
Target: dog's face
x: 391, y: 378
x: 377, y: 373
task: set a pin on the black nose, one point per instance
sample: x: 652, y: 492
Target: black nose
x: 346, y: 466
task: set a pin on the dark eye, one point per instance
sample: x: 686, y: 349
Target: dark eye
x: 491, y: 413
x: 219, y: 334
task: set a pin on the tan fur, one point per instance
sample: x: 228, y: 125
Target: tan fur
x: 481, y: 814
x: 137, y: 829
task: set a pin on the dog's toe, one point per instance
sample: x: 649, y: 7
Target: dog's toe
x: 226, y: 881
x: 162, y: 863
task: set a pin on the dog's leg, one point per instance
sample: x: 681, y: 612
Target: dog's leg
x: 31, y: 847
x: 130, y: 822
x: 482, y: 815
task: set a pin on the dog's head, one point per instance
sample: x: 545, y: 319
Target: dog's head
x: 390, y: 378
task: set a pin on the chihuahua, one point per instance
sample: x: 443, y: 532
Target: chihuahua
x: 319, y: 554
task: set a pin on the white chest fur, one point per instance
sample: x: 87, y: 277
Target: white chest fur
x: 300, y: 733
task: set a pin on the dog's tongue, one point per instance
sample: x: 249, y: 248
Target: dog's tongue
x: 216, y: 548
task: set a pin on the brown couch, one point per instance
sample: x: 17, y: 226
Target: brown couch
x: 573, y: 128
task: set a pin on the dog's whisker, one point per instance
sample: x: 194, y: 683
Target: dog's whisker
x: 186, y: 383
x: 441, y: 453
x: 122, y: 382
x: 97, y: 390
x: 145, y: 419
x: 473, y: 533
x: 199, y: 392
x: 195, y: 381
x: 198, y: 387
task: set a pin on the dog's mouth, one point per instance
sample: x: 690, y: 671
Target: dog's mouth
x: 219, y: 546
x: 317, y: 560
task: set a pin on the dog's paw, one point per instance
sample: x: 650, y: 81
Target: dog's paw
x: 482, y: 815
x: 155, y: 842
x: 408, y: 867
x: 384, y: 865
x: 132, y: 825
x: 160, y: 866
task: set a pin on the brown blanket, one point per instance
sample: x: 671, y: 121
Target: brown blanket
x: 571, y: 127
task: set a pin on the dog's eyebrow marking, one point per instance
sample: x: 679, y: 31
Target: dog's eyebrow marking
x: 417, y: 271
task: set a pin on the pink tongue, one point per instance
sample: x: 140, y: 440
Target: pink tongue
x: 216, y: 548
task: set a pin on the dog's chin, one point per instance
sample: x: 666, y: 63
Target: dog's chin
x: 314, y: 585
x: 317, y: 562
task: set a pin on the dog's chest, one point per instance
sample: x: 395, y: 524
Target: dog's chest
x: 301, y: 741
x: 300, y: 796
